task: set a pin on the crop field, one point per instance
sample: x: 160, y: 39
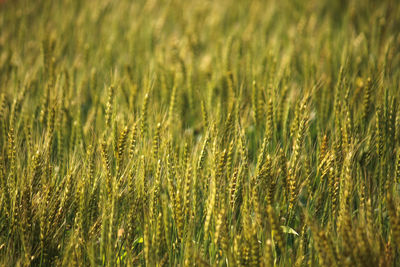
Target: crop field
x: 200, y: 133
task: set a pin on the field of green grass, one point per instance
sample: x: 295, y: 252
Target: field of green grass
x: 200, y: 133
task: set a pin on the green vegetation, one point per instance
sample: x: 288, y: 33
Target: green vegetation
x: 199, y: 133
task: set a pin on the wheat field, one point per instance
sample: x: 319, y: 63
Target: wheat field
x: 199, y: 133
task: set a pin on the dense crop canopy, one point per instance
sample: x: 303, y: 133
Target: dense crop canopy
x: 199, y: 133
